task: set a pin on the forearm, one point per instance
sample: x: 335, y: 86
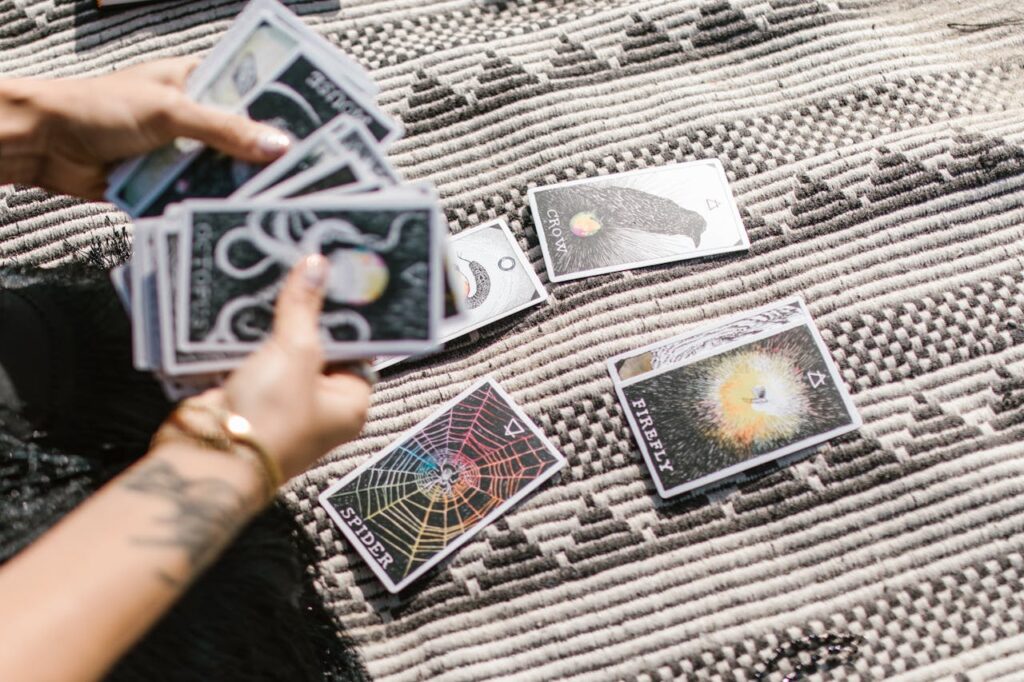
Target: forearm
x: 22, y: 130
x: 103, y: 576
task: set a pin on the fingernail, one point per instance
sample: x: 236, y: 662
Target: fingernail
x: 273, y: 143
x: 314, y: 273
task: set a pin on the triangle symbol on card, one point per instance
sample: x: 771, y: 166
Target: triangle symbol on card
x: 514, y: 428
x: 712, y: 204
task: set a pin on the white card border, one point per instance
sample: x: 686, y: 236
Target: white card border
x: 392, y: 587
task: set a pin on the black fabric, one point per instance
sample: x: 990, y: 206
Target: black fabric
x: 67, y: 386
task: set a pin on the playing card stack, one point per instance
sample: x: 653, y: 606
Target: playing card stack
x: 215, y: 237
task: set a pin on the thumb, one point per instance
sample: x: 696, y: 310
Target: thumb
x: 297, y: 313
x: 232, y: 134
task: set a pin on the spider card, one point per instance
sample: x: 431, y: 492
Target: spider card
x: 416, y: 502
x: 714, y: 403
x: 384, y: 288
x: 634, y: 219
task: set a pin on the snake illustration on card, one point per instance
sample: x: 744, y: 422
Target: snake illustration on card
x: 383, y: 292
x: 635, y: 219
x: 416, y: 502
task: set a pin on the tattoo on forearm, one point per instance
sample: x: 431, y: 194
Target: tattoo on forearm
x: 206, y: 513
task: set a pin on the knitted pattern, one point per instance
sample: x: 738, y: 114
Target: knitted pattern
x: 875, y: 151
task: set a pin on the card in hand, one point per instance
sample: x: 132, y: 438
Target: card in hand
x: 384, y: 289
x: 173, y: 360
x: 635, y: 219
x: 282, y: 77
x: 722, y: 400
x: 416, y: 502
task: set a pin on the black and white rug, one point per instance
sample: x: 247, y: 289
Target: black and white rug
x: 875, y: 150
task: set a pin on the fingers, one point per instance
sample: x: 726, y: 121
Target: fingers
x: 358, y: 368
x: 343, y: 401
x: 173, y: 71
x: 232, y: 134
x: 297, y: 316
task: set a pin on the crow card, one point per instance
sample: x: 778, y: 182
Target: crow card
x: 635, y: 219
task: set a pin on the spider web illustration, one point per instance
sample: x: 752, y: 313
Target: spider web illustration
x: 443, y: 480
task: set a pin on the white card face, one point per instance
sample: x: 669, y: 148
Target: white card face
x: 495, y: 276
x: 440, y: 483
x: 737, y: 394
x: 635, y: 219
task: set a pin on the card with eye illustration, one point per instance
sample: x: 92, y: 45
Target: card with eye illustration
x: 636, y: 219
x: 385, y: 283
x: 714, y: 403
x: 495, y: 276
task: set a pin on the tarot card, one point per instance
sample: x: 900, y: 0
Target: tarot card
x: 306, y: 90
x: 635, y: 219
x: 174, y: 361
x: 425, y: 496
x: 494, y: 276
x: 747, y: 391
x: 384, y: 290
x: 702, y: 341
x: 144, y: 305
x: 120, y: 278
x: 179, y: 388
x: 346, y: 175
x: 344, y: 140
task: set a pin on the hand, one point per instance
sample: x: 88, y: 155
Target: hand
x: 298, y: 411
x: 82, y: 126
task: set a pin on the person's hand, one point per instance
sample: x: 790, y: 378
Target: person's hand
x: 298, y: 410
x: 82, y: 126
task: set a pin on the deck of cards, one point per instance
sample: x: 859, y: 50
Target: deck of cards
x: 215, y: 237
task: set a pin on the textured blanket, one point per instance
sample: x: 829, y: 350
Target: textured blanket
x: 875, y: 150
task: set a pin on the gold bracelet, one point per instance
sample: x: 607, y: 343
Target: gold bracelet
x: 234, y: 430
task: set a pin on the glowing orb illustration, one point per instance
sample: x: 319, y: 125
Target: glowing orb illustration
x: 584, y: 224
x: 357, y: 276
x: 756, y: 398
x: 448, y: 476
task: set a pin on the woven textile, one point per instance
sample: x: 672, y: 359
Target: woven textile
x: 875, y: 150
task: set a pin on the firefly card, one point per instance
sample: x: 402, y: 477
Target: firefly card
x: 384, y: 286
x: 419, y: 500
x: 714, y: 403
x: 635, y: 219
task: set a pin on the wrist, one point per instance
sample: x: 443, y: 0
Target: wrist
x: 194, y: 461
x: 206, y: 424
